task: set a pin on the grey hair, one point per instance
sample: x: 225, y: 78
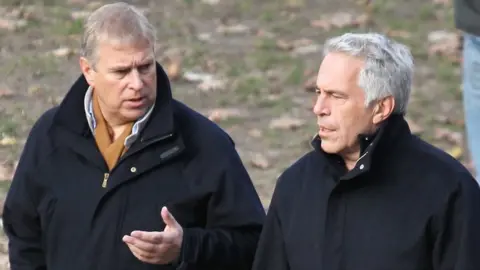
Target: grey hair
x: 388, y: 69
x: 118, y: 23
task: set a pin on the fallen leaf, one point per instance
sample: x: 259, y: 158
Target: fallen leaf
x: 6, y: 93
x: 222, y: 114
x: 455, y: 152
x: 233, y: 29
x: 321, y: 23
x: 204, y: 36
x: 444, y: 43
x: 284, y: 45
x: 6, y: 172
x: 414, y: 127
x: 8, y: 140
x: 256, y: 133
x: 340, y: 20
x: 264, y: 33
x: 211, y: 2
x: 449, y: 135
x: 304, y: 50
x: 38, y: 42
x: 212, y: 84
x: 34, y: 89
x: 11, y: 24
x: 192, y: 76
x: 207, y: 82
x: 63, y: 52
x: 286, y: 123
x: 260, y: 161
x: 174, y: 69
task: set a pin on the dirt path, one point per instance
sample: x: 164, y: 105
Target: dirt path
x: 243, y: 63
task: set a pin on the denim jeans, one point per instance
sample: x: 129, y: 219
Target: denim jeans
x: 471, y: 96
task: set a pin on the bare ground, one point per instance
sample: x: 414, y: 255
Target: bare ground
x: 245, y: 64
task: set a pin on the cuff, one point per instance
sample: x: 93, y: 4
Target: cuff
x: 188, y: 251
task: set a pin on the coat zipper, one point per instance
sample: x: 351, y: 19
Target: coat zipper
x: 149, y: 142
x: 105, y: 180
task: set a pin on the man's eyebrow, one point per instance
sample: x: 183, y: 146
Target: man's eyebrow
x: 330, y: 91
x: 120, y: 68
x: 128, y: 67
x: 147, y: 61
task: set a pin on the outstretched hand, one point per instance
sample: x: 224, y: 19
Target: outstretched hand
x: 157, y: 247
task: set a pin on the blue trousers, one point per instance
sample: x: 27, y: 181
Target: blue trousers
x: 471, y: 96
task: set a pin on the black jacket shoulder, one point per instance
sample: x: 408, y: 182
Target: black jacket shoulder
x: 39, y: 145
x: 293, y: 178
x: 200, y: 133
x: 436, y: 167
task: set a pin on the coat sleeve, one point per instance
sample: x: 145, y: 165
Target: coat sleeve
x: 20, y: 218
x: 457, y: 229
x: 234, y: 220
x: 270, y: 253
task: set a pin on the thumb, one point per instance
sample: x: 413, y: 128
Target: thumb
x: 168, y: 218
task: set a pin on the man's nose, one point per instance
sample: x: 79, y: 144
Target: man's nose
x: 321, y: 107
x: 136, y: 82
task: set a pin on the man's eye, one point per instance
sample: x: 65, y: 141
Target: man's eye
x: 144, y: 68
x: 121, y: 71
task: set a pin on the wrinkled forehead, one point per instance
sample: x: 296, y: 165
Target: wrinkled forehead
x: 116, y: 53
x: 339, y: 72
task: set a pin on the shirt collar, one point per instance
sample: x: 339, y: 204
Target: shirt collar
x: 368, y: 144
x: 137, y: 127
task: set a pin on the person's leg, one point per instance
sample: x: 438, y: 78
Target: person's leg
x: 471, y: 96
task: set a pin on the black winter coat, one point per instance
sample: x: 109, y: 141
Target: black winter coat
x: 58, y: 216
x: 405, y: 206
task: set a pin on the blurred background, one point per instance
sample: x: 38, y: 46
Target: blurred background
x: 248, y: 65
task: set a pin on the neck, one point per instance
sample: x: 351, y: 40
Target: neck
x: 352, y: 156
x: 115, y: 126
x: 350, y: 159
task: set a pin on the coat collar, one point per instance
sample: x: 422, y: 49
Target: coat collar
x: 372, y: 146
x: 71, y: 114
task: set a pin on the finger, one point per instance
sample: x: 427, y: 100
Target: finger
x: 140, y: 253
x: 144, y: 246
x: 151, y: 237
x: 168, y: 218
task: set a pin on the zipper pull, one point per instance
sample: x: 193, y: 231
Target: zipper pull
x: 105, y: 180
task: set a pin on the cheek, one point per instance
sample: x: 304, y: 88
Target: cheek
x: 151, y: 84
x: 348, y: 123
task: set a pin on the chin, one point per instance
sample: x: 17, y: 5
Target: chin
x: 134, y: 115
x: 329, y: 148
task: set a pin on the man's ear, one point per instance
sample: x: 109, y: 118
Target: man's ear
x: 87, y: 70
x: 383, y: 109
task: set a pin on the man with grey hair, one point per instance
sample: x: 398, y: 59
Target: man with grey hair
x: 122, y: 176
x: 370, y: 195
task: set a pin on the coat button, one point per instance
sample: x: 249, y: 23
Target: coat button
x: 361, y: 166
x: 133, y: 169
